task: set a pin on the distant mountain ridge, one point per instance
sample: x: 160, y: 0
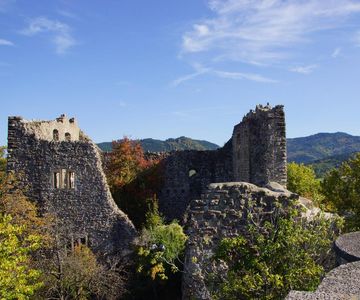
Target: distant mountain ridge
x: 180, y: 143
x: 322, y: 150
x: 319, y: 146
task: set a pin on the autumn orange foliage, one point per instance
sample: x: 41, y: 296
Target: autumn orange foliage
x: 134, y: 180
x: 126, y: 162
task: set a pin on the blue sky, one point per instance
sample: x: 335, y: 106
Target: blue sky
x: 166, y: 68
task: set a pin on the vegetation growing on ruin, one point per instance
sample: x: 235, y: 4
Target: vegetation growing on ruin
x: 160, y: 247
x: 134, y: 180
x: 32, y: 262
x: 159, y: 253
x: 280, y: 254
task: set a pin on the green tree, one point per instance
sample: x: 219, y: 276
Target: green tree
x: 275, y: 256
x: 17, y: 279
x: 160, y: 246
x: 158, y: 258
x: 341, y: 188
x: 302, y: 180
x: 20, y: 239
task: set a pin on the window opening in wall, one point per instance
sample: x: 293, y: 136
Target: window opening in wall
x: 55, y: 135
x: 83, y: 241
x: 71, y: 242
x: 56, y: 180
x: 63, y: 179
x: 192, y: 173
x: 71, y: 176
x: 67, y: 136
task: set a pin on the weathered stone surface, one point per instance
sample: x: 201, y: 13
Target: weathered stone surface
x: 215, y: 222
x: 256, y: 153
x: 86, y: 211
x: 259, y: 147
x: 347, y: 247
x: 296, y: 295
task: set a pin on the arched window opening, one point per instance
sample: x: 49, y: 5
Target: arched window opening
x: 192, y: 173
x: 55, y: 135
x: 67, y: 136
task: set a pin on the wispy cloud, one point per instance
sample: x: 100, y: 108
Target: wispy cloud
x: 5, y: 5
x: 336, y: 52
x: 60, y: 32
x: 264, y: 31
x: 67, y: 14
x: 184, y: 78
x: 199, y: 70
x: 6, y: 43
x: 122, y: 103
x: 247, y: 76
x: 304, y: 69
x: 357, y: 39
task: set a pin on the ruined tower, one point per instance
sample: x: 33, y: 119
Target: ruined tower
x: 259, y: 147
x: 62, y: 171
x: 256, y: 153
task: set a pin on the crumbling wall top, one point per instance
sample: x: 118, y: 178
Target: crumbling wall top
x: 60, y: 129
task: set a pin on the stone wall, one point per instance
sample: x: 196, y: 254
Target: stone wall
x: 187, y: 174
x: 256, y: 153
x: 259, y: 147
x: 221, y: 212
x: 83, y: 204
x: 66, y: 129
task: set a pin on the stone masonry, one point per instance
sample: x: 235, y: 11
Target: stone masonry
x: 256, y: 153
x: 221, y: 212
x: 62, y: 171
x: 259, y: 147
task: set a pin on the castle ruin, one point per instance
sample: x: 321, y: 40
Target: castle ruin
x: 256, y: 153
x: 61, y: 170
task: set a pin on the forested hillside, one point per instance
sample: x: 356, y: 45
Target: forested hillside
x: 180, y: 143
x: 322, y: 145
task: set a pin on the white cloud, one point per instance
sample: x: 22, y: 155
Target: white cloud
x: 264, y: 31
x: 6, y: 43
x: 184, y: 78
x: 61, y: 32
x: 336, y: 52
x: 247, y: 76
x: 199, y: 70
x: 304, y: 69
